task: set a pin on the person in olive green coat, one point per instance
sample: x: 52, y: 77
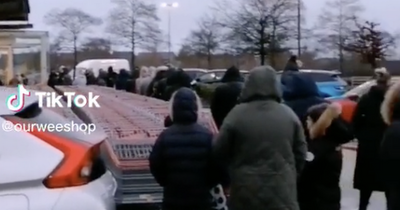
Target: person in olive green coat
x: 263, y: 143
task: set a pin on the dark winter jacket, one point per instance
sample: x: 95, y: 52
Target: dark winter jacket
x: 369, y: 128
x: 181, y: 160
x: 176, y: 80
x: 318, y: 185
x: 111, y: 77
x: 90, y: 78
x: 53, y: 79
x: 154, y: 84
x: 389, y: 154
x: 291, y: 64
x: 300, y: 93
x: 226, y: 96
x: 263, y: 143
x: 122, y: 80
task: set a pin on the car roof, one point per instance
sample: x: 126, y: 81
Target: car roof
x: 316, y: 71
x: 194, y: 69
x: 223, y: 70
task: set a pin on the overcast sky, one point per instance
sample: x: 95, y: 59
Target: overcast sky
x: 184, y: 18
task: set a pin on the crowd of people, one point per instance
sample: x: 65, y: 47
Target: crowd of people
x: 277, y: 148
x: 279, y: 142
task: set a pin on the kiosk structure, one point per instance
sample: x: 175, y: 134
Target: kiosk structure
x: 13, y: 40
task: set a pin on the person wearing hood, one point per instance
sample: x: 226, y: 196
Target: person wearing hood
x: 369, y: 128
x: 175, y: 81
x: 53, y: 79
x: 226, y: 95
x: 262, y: 141
x: 181, y: 160
x: 160, y: 74
x: 144, y: 80
x: 292, y: 64
x: 300, y: 93
x: 389, y: 154
x: 319, y: 184
x: 160, y: 87
x: 64, y: 78
x: 102, y: 78
x: 111, y: 77
x: 90, y: 78
x: 122, y: 80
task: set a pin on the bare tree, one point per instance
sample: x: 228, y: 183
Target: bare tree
x: 258, y: 26
x: 370, y: 43
x: 134, y: 23
x: 73, y: 23
x: 158, y: 44
x: 205, y: 40
x: 57, y: 45
x: 337, y: 23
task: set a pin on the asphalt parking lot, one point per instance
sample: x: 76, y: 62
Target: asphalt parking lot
x: 350, y: 196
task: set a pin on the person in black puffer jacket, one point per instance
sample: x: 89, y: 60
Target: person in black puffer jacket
x: 389, y: 154
x: 181, y: 160
x: 226, y: 96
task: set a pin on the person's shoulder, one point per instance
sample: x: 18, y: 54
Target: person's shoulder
x: 289, y: 112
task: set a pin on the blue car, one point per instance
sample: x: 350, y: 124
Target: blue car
x: 329, y: 83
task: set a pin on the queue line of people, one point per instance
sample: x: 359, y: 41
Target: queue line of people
x: 277, y: 149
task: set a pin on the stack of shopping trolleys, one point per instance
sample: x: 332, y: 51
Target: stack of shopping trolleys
x: 133, y: 123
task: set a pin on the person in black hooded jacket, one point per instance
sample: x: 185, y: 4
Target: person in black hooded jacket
x: 389, y: 154
x: 122, y: 80
x: 226, y: 95
x: 111, y: 77
x: 369, y: 128
x: 181, y: 160
x: 318, y: 186
x: 300, y: 93
x: 292, y: 64
x: 176, y: 80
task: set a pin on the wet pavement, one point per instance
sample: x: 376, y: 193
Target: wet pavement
x: 350, y: 196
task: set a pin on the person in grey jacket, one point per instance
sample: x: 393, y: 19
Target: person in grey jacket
x: 263, y: 143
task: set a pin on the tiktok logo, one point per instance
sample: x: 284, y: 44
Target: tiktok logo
x: 18, y: 98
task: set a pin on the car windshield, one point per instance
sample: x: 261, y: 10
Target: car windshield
x: 193, y: 74
x: 324, y: 77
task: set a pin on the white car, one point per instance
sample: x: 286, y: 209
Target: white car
x: 215, y: 75
x: 50, y: 170
x: 194, y: 72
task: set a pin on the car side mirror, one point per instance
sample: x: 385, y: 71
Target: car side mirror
x: 353, y: 97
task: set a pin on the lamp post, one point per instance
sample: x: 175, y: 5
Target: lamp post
x: 298, y: 28
x: 169, y: 6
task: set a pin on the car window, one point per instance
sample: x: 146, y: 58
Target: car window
x: 194, y: 74
x: 323, y: 77
x: 207, y: 77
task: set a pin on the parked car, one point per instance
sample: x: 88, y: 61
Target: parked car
x: 329, y: 82
x: 355, y: 93
x: 42, y: 169
x: 214, y: 76
x: 194, y: 72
